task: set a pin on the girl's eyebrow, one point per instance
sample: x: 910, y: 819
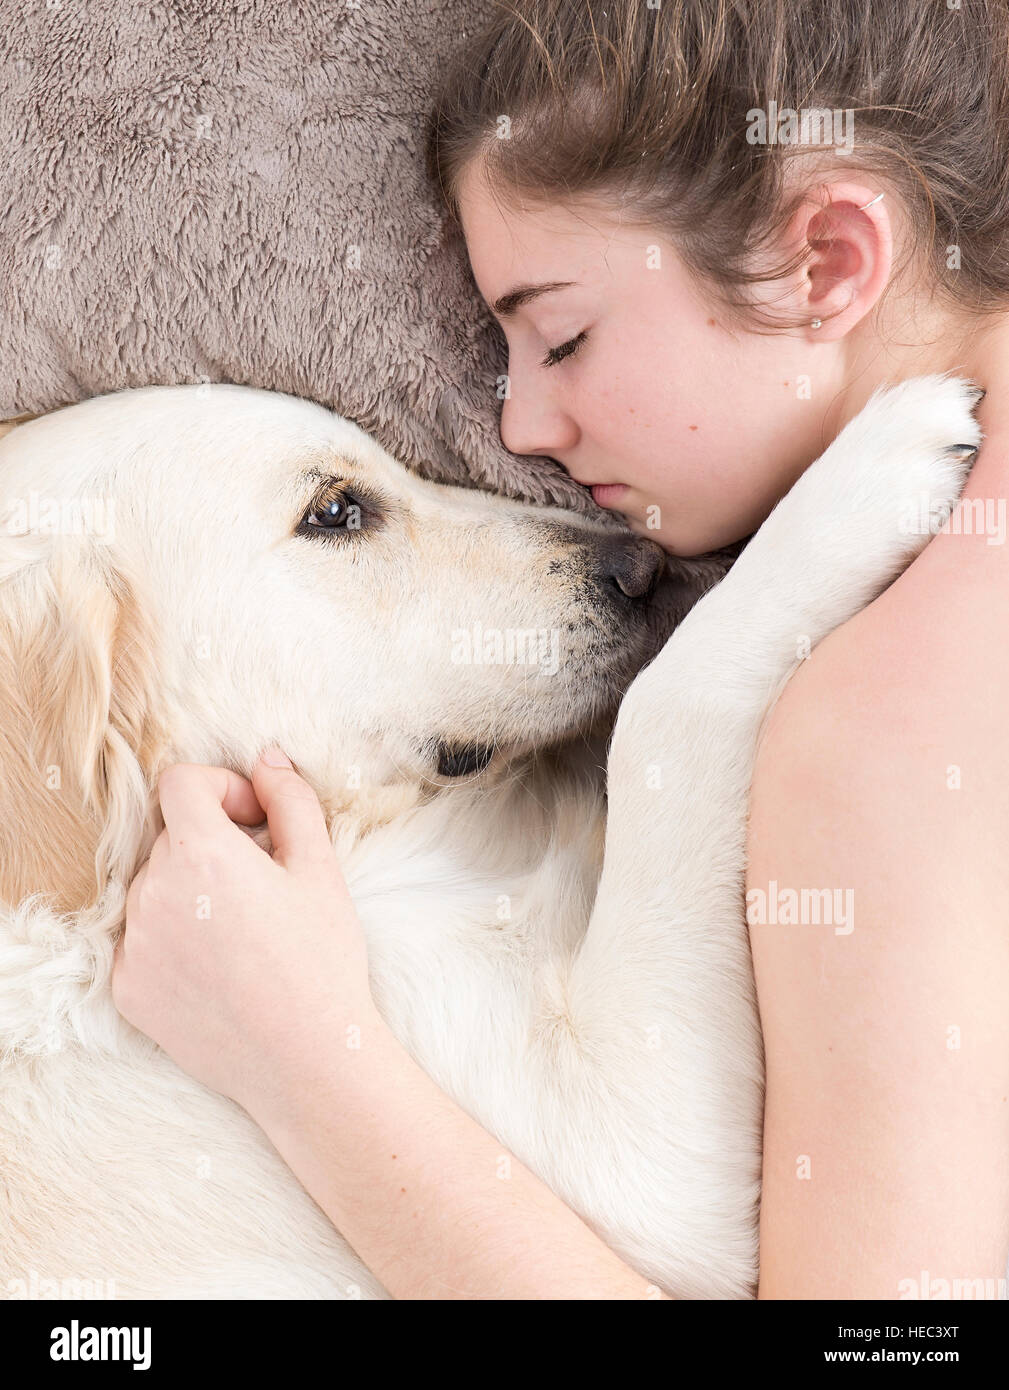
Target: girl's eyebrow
x: 506, y: 306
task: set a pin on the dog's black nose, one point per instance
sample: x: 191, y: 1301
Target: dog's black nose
x: 632, y: 568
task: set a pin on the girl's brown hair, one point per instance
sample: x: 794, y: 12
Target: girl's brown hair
x: 646, y: 102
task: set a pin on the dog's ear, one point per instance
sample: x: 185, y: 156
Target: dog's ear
x: 75, y: 727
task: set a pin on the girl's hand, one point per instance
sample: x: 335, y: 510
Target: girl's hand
x: 234, y: 961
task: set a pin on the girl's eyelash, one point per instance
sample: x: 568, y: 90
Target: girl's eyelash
x: 558, y: 354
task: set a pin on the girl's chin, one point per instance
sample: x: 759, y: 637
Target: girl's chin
x: 646, y: 519
x: 681, y: 547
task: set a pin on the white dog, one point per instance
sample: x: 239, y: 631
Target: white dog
x: 190, y: 575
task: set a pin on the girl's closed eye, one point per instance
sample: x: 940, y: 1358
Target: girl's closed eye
x: 567, y: 349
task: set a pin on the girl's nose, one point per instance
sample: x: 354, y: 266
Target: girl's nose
x: 531, y: 425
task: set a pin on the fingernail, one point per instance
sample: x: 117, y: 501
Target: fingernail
x: 276, y: 757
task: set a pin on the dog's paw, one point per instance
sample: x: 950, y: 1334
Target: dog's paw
x: 863, y: 510
x: 851, y: 523
x: 917, y: 442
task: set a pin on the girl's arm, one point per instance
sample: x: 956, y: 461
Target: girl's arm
x: 429, y: 1200
x: 266, y: 1000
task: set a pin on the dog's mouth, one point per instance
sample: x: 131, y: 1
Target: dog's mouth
x: 586, y: 704
x: 452, y: 759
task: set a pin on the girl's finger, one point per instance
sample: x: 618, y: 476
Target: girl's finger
x: 159, y: 856
x: 295, y: 817
x: 199, y: 801
x: 132, y: 898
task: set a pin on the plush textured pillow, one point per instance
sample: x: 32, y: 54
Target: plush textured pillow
x: 206, y: 191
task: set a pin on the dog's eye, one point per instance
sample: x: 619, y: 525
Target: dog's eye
x: 334, y: 510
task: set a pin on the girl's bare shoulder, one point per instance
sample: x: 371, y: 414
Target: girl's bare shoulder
x: 911, y: 695
x: 879, y: 867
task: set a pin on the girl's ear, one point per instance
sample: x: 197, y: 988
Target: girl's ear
x: 76, y: 736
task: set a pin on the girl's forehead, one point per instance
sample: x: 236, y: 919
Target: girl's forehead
x: 548, y: 243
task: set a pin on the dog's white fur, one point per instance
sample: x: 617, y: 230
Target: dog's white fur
x: 580, y: 983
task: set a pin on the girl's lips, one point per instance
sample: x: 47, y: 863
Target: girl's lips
x: 605, y: 494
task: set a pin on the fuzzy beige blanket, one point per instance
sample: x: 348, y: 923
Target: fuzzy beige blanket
x: 234, y: 190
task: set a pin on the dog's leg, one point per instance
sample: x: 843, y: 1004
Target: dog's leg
x: 653, y: 1034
